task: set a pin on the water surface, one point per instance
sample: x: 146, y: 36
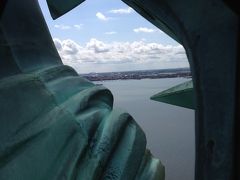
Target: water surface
x: 169, y: 129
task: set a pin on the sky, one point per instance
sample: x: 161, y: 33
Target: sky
x: 108, y: 36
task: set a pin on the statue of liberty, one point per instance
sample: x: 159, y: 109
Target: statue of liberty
x: 56, y: 125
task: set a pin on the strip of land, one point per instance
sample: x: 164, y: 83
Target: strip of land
x: 141, y: 74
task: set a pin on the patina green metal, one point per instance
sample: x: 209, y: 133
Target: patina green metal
x: 58, y: 8
x: 55, y: 124
x: 209, y: 32
x: 64, y: 127
x: 180, y: 95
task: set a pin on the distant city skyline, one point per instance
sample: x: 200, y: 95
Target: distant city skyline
x: 107, y: 36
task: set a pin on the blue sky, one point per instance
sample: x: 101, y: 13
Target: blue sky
x: 107, y: 35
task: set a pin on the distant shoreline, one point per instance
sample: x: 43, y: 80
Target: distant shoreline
x: 138, y: 75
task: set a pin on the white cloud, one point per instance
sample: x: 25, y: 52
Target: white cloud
x: 98, y: 56
x: 67, y: 27
x: 145, y: 30
x: 110, y: 33
x: 97, y: 46
x: 58, y: 44
x: 62, y: 26
x: 102, y: 17
x: 78, y: 26
x: 127, y: 10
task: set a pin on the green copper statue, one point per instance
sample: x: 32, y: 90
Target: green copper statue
x: 56, y: 125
